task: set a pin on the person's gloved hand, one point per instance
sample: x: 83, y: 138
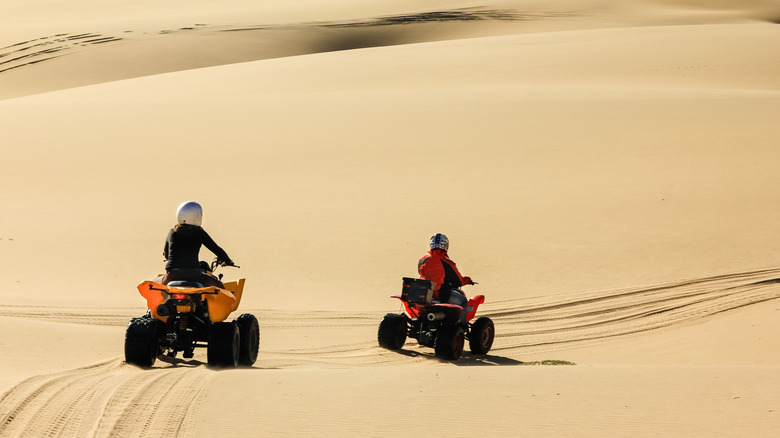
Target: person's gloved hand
x: 467, y: 280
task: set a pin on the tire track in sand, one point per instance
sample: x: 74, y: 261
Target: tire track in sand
x: 47, y: 48
x: 595, y: 317
x: 528, y: 325
x: 113, y: 399
x: 110, y: 399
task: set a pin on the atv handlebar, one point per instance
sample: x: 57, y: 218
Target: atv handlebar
x: 217, y: 263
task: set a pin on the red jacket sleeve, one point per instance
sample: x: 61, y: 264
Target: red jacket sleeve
x: 430, y: 268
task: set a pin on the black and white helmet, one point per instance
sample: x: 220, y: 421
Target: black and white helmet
x: 440, y: 241
x: 189, y: 213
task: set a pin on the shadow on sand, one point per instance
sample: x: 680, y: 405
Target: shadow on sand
x: 179, y: 362
x: 467, y: 359
x: 486, y: 360
x: 176, y: 362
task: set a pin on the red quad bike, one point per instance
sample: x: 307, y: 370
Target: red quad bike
x: 435, y: 324
x: 184, y: 315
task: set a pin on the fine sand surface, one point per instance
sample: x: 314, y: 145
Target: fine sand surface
x: 606, y: 170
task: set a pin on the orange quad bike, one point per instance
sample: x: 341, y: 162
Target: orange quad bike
x: 184, y: 315
x: 435, y: 324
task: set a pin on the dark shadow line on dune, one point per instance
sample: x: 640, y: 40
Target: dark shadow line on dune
x: 468, y: 14
x: 82, y: 36
x: 770, y: 281
x: 29, y: 55
x: 29, y: 63
x: 36, y: 41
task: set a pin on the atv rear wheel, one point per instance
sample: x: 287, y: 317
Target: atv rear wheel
x: 481, y: 336
x: 449, y: 342
x: 142, y: 341
x: 224, y: 344
x: 249, y: 332
x: 392, y: 331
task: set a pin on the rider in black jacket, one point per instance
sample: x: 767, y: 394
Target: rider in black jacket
x: 183, y: 246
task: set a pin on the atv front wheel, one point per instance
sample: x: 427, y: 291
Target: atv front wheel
x: 481, y: 336
x: 392, y: 331
x: 249, y: 332
x: 142, y: 341
x: 449, y: 342
x: 224, y: 344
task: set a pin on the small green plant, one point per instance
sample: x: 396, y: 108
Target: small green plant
x: 550, y: 362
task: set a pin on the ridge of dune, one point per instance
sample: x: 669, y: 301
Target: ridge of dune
x: 85, y: 56
x: 58, y: 61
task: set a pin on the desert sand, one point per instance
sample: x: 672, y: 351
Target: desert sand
x: 606, y: 170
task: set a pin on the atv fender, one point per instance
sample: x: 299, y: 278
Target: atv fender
x: 237, y: 289
x: 155, y: 294
x: 220, y: 303
x: 473, y: 304
x: 412, y: 310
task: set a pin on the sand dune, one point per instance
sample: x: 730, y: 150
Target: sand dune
x: 131, y: 48
x: 545, y: 400
x: 605, y: 171
x: 325, y: 370
x: 66, y: 60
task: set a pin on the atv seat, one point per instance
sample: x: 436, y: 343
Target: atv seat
x: 184, y: 283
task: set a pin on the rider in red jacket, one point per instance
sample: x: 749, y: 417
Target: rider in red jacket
x: 437, y: 267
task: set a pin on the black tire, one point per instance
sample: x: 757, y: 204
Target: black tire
x: 249, y: 331
x: 449, y: 342
x: 481, y: 337
x: 224, y: 344
x: 392, y: 331
x: 142, y: 341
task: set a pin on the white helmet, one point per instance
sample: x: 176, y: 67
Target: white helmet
x: 190, y: 213
x: 440, y: 241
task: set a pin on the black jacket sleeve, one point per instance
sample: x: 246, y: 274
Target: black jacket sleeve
x: 209, y: 243
x: 165, y: 250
